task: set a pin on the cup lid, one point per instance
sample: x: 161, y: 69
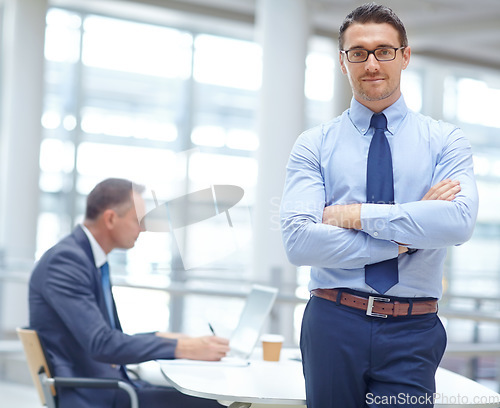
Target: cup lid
x: 272, y: 338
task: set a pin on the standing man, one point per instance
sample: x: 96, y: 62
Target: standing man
x: 371, y: 201
x: 72, y: 309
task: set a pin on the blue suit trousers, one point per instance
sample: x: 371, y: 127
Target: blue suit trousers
x: 352, y: 360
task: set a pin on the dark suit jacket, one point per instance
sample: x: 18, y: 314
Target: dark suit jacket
x: 68, y: 310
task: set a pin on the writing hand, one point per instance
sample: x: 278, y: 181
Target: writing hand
x: 208, y: 348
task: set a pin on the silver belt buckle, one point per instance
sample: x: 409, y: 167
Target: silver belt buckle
x: 369, y: 309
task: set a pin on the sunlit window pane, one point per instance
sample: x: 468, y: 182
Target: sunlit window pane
x: 96, y: 161
x: 152, y: 248
x: 62, y: 36
x: 482, y: 165
x: 206, y: 169
x: 138, y: 316
x: 51, y: 182
x: 477, y: 103
x: 69, y: 122
x: 56, y: 156
x: 495, y: 168
x: 470, y: 93
x: 139, y: 48
x: 242, y: 139
x: 450, y: 98
x: 320, y: 70
x: 227, y: 62
x: 320, y: 74
x: 51, y: 120
x: 411, y: 86
x: 100, y: 121
x: 209, y: 136
x: 490, y: 195
x: 49, y: 229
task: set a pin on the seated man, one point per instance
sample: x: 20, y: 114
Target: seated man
x: 72, y: 309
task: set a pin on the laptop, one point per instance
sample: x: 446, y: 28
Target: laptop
x: 257, y: 307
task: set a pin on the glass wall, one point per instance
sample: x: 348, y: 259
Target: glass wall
x: 117, y: 108
x: 470, y: 100
x: 162, y: 106
x: 173, y: 109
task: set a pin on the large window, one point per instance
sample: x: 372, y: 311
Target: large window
x: 165, y: 107
x: 128, y: 99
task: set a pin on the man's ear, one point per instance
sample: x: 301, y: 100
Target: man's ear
x: 342, y: 65
x: 406, y: 56
x: 109, y: 218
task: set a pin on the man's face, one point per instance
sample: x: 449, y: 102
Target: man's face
x: 374, y: 84
x: 126, y: 226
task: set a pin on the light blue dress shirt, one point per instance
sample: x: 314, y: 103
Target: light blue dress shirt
x: 100, y: 257
x: 327, y: 166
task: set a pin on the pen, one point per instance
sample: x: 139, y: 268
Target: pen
x: 211, y: 329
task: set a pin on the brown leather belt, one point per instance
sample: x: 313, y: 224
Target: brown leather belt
x: 378, y: 306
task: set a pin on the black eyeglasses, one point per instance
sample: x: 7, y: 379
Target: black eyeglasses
x: 381, y: 54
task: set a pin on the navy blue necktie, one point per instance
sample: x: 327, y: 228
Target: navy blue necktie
x: 108, y: 296
x: 383, y: 275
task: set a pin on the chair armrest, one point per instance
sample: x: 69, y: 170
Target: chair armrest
x: 84, y: 382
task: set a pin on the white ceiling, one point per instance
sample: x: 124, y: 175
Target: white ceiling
x: 459, y: 30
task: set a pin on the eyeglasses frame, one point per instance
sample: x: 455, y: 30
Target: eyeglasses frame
x: 345, y: 52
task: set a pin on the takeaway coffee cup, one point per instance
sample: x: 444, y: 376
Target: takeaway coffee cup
x: 271, y: 346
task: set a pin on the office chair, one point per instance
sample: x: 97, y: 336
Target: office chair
x: 45, y: 383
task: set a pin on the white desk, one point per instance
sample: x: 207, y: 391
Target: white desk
x: 267, y: 384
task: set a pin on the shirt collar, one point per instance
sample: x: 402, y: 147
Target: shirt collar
x: 360, y: 115
x: 100, y: 257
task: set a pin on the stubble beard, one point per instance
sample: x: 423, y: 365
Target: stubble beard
x: 375, y: 96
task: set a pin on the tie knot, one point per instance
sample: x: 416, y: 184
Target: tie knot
x: 379, y: 121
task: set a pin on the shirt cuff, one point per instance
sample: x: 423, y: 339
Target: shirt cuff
x: 375, y: 220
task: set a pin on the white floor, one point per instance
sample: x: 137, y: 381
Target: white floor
x: 18, y: 396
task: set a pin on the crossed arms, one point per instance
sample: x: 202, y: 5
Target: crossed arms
x: 348, y: 216
x: 350, y: 235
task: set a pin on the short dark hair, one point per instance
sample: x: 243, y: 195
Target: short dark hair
x: 373, y: 13
x: 110, y: 193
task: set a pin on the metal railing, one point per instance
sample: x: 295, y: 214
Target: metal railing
x: 476, y: 312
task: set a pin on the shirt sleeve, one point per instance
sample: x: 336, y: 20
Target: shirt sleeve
x: 431, y: 224
x: 306, y: 239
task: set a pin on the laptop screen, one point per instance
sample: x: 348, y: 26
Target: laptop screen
x: 257, y: 307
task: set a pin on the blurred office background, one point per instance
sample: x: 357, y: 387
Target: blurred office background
x: 183, y: 94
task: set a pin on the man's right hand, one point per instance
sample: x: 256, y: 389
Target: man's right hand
x: 445, y: 190
x: 208, y: 348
